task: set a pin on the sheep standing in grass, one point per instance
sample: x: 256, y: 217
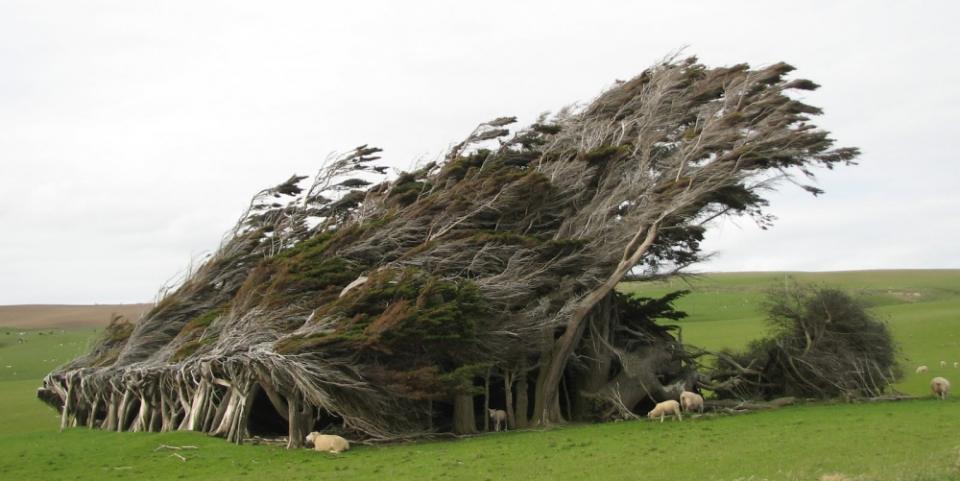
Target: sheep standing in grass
x: 664, y: 408
x: 499, y: 417
x: 940, y: 387
x: 956, y: 364
x: 690, y: 401
x: 922, y: 369
x: 943, y: 364
x: 330, y: 443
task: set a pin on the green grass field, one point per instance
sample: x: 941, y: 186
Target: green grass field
x: 41, y: 351
x: 906, y: 440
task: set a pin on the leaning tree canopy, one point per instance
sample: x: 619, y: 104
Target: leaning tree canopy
x: 378, y: 302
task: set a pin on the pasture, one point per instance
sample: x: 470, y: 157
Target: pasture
x: 906, y: 440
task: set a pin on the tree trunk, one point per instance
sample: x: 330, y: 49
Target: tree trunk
x: 156, y: 417
x: 92, y: 416
x: 110, y: 424
x: 508, y: 399
x: 142, y: 423
x: 185, y: 397
x: 300, y: 420
x: 228, y: 405
x: 548, y: 388
x: 241, y: 417
x: 67, y: 405
x: 486, y: 402
x: 598, y: 359
x: 166, y: 414
x: 522, y: 404
x: 123, y: 409
x: 430, y: 415
x: 464, y: 419
x: 198, y: 407
x: 546, y: 353
x: 638, y: 380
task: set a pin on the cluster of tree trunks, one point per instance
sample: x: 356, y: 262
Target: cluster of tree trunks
x: 175, y: 401
x: 195, y: 398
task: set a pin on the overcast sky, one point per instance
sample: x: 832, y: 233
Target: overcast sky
x: 132, y: 133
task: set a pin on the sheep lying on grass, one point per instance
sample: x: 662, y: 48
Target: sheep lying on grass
x: 499, y: 417
x: 922, y: 369
x: 834, y: 477
x: 664, y: 408
x: 690, y: 401
x: 330, y: 443
x: 940, y: 387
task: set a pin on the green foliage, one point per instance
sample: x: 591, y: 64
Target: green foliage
x: 409, y: 313
x: 603, y: 153
x: 407, y: 188
x: 201, y: 321
x: 118, y: 331
x: 107, y: 349
x: 428, y: 326
x: 190, y: 347
x: 308, y: 271
x: 310, y: 249
x: 413, y: 310
x: 461, y: 380
x: 650, y: 308
x: 458, y: 167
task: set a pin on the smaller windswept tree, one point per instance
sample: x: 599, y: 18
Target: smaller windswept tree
x: 824, y: 344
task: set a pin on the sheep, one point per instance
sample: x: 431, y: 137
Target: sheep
x: 691, y: 400
x: 943, y: 364
x: 330, y: 443
x: 940, y: 387
x: 498, y: 416
x: 667, y: 407
x: 834, y: 477
x: 922, y: 369
x: 956, y: 364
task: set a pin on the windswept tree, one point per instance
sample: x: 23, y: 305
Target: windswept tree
x: 823, y: 344
x: 385, y: 308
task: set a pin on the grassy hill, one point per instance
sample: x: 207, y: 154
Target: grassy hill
x: 907, y: 440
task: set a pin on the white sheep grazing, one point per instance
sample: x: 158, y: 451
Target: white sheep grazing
x: 943, y: 363
x: 690, y: 401
x: 940, y: 387
x: 498, y: 416
x: 922, y: 369
x: 330, y: 443
x: 664, y: 408
x: 956, y: 364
